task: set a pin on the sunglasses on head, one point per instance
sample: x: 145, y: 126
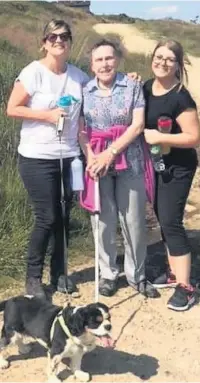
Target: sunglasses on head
x: 52, y: 37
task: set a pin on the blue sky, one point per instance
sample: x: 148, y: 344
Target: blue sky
x: 184, y: 10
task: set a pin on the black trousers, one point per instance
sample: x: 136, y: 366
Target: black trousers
x: 42, y: 180
x: 172, y: 189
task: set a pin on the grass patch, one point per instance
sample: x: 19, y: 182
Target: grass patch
x: 187, y: 34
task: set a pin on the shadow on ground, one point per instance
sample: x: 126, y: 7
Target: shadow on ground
x: 37, y: 351
x: 103, y: 361
x: 156, y: 262
x: 119, y: 362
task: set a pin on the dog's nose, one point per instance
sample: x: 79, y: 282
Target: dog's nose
x: 108, y: 327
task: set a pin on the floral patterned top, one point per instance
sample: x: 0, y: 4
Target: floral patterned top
x: 116, y: 109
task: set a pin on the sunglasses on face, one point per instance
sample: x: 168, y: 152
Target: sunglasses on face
x: 53, y: 37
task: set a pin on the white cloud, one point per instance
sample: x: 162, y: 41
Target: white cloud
x: 163, y: 10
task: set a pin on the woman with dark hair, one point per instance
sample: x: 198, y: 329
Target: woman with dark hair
x: 111, y: 138
x: 167, y: 97
x: 34, y: 99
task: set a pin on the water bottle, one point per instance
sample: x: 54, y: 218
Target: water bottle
x: 165, y: 126
x: 77, y: 174
x: 64, y: 102
x: 156, y: 155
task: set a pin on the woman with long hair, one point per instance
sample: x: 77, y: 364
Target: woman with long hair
x: 168, y: 99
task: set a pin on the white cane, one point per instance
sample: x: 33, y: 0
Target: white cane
x: 96, y: 238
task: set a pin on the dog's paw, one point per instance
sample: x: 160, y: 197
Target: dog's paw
x: 25, y: 349
x: 4, y: 363
x: 82, y: 376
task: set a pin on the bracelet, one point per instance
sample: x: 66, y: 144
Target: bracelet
x: 113, y: 150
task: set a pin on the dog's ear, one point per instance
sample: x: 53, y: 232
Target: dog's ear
x: 77, y: 321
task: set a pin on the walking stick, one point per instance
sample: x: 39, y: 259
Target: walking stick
x: 96, y: 238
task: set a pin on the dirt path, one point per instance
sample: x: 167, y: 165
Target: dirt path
x: 136, y: 41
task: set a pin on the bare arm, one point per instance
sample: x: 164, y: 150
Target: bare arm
x: 17, y: 107
x: 132, y: 132
x: 190, y: 135
x: 188, y: 138
x: 102, y: 161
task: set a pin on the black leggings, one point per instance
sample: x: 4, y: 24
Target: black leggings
x: 172, y: 189
x: 42, y: 181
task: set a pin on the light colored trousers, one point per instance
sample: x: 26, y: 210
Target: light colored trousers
x: 124, y: 196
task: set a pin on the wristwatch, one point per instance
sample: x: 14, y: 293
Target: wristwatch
x: 113, y: 150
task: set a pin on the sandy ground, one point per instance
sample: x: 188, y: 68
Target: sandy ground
x: 154, y: 344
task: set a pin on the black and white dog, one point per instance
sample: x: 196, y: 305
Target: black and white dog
x: 68, y: 332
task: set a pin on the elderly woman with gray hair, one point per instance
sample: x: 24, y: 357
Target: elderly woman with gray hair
x: 111, y: 138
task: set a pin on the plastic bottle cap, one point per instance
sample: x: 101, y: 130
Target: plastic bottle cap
x: 65, y: 101
x: 164, y: 123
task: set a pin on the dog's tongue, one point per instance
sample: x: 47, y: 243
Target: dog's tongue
x: 107, y: 341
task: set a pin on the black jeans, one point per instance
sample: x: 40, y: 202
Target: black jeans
x: 42, y: 181
x: 172, y: 189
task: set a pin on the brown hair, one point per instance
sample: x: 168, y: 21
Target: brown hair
x: 178, y: 51
x: 105, y: 43
x: 56, y: 24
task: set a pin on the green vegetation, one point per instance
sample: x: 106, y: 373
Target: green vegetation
x: 121, y: 18
x: 19, y: 44
x: 185, y: 33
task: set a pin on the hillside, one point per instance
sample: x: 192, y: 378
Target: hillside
x: 153, y: 343
x: 27, y: 19
x: 136, y: 41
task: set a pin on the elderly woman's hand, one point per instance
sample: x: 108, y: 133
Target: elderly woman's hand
x: 153, y: 136
x: 101, y: 163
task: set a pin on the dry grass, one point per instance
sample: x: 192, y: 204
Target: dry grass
x: 186, y: 33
